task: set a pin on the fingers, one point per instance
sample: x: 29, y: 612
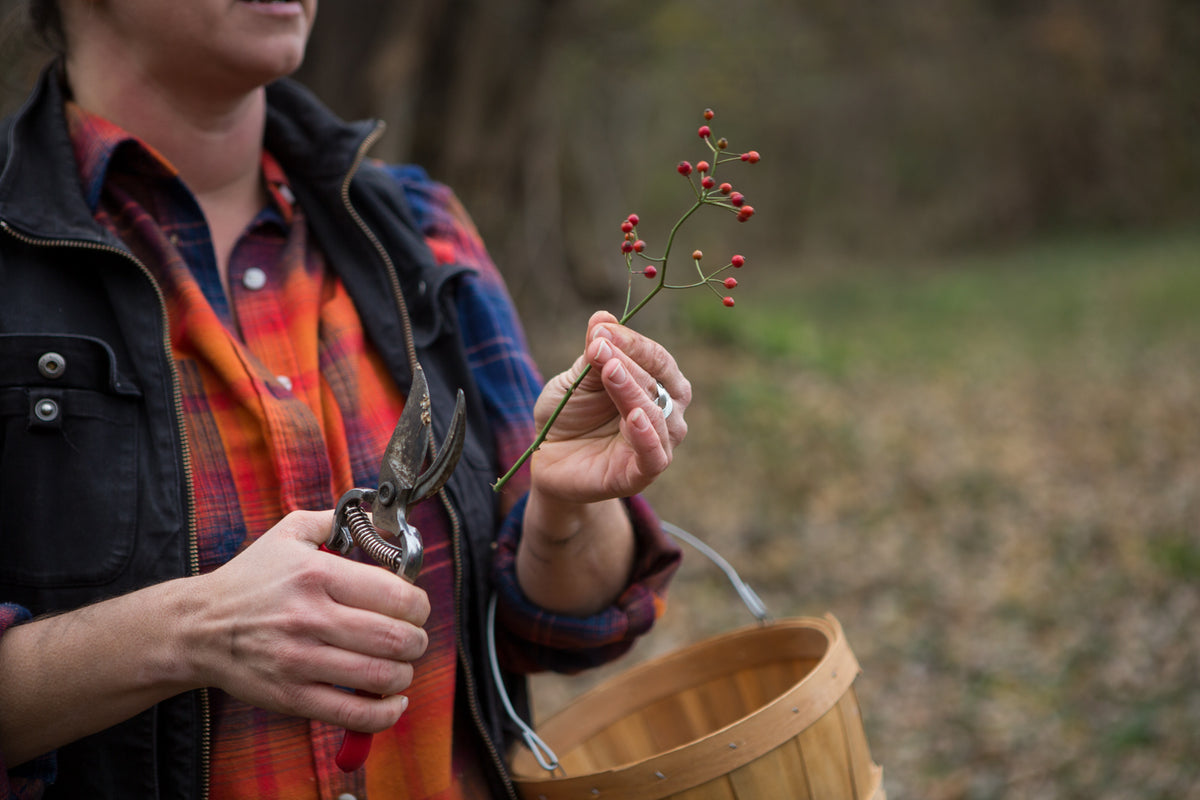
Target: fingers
x: 366, y: 586
x: 282, y: 624
x: 622, y: 353
x: 349, y: 710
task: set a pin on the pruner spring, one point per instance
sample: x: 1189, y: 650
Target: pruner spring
x: 387, y: 536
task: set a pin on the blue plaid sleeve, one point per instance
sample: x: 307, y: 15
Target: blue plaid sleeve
x: 530, y: 638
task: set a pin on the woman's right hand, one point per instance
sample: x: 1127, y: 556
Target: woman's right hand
x: 283, y: 624
x: 279, y: 626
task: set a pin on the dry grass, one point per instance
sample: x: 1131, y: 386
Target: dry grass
x: 991, y: 476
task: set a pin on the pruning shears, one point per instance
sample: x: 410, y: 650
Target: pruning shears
x: 387, y: 536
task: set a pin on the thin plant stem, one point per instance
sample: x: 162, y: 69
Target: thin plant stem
x: 625, y: 317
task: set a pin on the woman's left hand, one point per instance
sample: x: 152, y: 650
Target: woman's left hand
x: 611, y: 439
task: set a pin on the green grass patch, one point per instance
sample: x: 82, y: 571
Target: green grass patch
x: 1052, y: 298
x: 1178, y: 556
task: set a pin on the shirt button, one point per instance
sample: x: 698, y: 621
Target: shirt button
x: 346, y: 796
x: 254, y: 279
x: 284, y: 381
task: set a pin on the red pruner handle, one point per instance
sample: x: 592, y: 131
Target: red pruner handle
x: 356, y: 747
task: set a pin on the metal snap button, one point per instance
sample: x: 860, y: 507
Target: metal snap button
x: 46, y: 410
x: 52, y: 365
x: 284, y: 381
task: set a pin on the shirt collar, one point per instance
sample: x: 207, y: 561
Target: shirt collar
x: 99, y: 143
x: 278, y: 189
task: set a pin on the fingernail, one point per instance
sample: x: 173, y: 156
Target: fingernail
x: 602, y: 332
x: 604, y: 352
x: 619, y: 375
x: 639, y: 419
x: 403, y: 704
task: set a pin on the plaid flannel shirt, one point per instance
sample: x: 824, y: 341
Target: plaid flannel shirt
x: 287, y: 406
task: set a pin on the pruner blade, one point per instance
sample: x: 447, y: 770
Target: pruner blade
x: 404, y: 481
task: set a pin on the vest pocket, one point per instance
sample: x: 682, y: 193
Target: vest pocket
x: 68, y: 462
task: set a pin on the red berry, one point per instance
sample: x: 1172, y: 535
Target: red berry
x: 745, y: 213
x: 737, y: 198
x: 737, y: 261
x: 684, y: 168
x: 630, y: 236
x: 726, y: 188
x: 708, y: 182
x: 705, y: 131
x: 696, y: 254
x: 633, y: 220
x: 730, y: 283
x: 702, y: 166
x: 751, y: 156
x: 728, y: 301
x: 627, y: 226
x: 709, y: 113
x: 639, y: 246
x: 650, y: 271
x: 626, y: 246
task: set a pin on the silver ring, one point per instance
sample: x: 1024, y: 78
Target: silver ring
x: 664, y: 401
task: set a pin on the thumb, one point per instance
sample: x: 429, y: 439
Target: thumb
x: 307, y: 526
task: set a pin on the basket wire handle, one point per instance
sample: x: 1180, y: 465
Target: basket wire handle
x: 546, y: 757
x: 753, y: 602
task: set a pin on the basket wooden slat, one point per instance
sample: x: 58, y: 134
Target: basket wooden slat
x: 762, y: 712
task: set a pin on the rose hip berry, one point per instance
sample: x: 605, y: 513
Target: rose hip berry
x: 737, y: 261
x: 627, y: 226
x: 702, y: 166
x: 633, y: 220
x: 650, y: 271
x: 704, y: 131
x: 639, y: 246
x: 728, y: 301
x: 726, y: 188
x: 737, y: 198
x: 745, y: 213
x: 709, y: 113
x: 707, y: 182
x: 626, y: 246
x: 684, y: 168
x: 730, y: 283
x: 751, y: 156
x: 697, y: 255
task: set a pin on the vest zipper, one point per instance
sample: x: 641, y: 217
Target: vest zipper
x: 455, y: 523
x: 193, y: 556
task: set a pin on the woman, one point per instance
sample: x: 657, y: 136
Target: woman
x: 211, y: 304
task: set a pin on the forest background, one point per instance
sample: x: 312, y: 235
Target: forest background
x: 955, y: 404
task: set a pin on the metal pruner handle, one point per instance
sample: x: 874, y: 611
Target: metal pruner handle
x: 352, y: 526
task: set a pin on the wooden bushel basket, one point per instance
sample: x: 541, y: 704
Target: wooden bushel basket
x: 766, y: 712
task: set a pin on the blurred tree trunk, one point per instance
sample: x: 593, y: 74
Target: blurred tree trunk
x: 462, y: 86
